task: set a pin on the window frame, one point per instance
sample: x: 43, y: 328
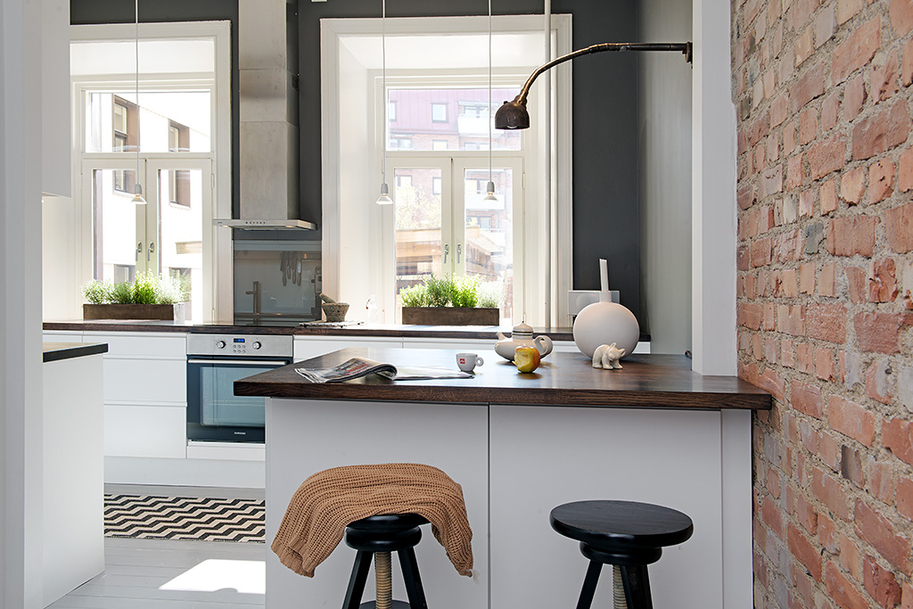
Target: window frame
x: 217, y: 273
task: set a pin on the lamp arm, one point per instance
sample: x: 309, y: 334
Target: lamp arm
x: 682, y: 47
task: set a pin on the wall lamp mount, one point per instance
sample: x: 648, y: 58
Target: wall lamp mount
x: 514, y: 115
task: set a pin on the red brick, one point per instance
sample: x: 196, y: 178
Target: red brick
x: 772, y: 516
x: 829, y: 450
x: 851, y: 466
x: 851, y: 419
x: 854, y: 97
x: 807, y: 399
x: 773, y: 148
x: 795, y: 172
x: 742, y: 258
x: 827, y: 280
x: 897, y: 436
x: 905, y: 497
x: 806, y: 515
x: 826, y: 322
x: 852, y: 185
x: 907, y: 601
x: 807, y: 87
x: 898, y: 225
x: 799, y: 12
x: 769, y: 316
x: 790, y: 319
x: 825, y: 156
x: 829, y: 112
x: 804, y: 551
x: 851, y: 235
x: 770, y: 350
x: 878, y: 385
x: 773, y: 383
x: 770, y: 182
x: 882, y: 131
x: 805, y: 357
x: 827, y: 533
x: 827, y: 197
x: 901, y: 13
x: 882, y: 281
x: 807, y: 278
x: 880, y: 478
x: 856, y: 50
x: 749, y: 315
x: 804, y: 45
x: 787, y: 353
x: 831, y: 493
x: 881, y: 583
x: 787, y: 247
x: 905, y: 169
x: 807, y: 202
x: 877, y: 530
x: 757, y: 347
x: 761, y: 251
x: 789, y: 284
x: 885, y: 79
x: 824, y: 364
x: 879, y: 332
x: 856, y: 284
x: 849, y: 556
x: 881, y: 180
x: 843, y: 593
x: 779, y: 108
x: 906, y: 64
x: 758, y: 129
x: 789, y: 138
x: 808, y: 126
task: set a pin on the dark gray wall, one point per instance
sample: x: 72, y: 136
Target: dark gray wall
x: 157, y: 11
x: 605, y: 123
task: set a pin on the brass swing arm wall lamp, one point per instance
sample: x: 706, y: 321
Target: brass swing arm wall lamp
x: 513, y: 114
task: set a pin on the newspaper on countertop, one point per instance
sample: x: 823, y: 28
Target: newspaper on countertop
x: 358, y: 367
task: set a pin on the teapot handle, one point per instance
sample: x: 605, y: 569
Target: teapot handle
x: 543, y: 344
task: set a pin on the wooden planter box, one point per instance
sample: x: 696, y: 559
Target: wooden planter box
x: 134, y: 311
x: 450, y: 316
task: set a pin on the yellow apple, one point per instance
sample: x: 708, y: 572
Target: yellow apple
x: 526, y: 359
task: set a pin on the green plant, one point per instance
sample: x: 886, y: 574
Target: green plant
x: 97, y: 292
x: 440, y: 291
x: 465, y: 291
x: 491, y: 293
x: 414, y: 296
x: 147, y: 289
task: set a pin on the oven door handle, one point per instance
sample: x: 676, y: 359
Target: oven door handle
x: 233, y: 362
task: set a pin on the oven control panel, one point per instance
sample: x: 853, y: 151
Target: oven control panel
x: 264, y: 345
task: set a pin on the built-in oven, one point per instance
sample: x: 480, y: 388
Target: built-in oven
x: 214, y: 363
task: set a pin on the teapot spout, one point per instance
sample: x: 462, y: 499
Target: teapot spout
x: 501, y: 336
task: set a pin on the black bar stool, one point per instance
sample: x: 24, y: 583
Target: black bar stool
x: 375, y: 537
x: 626, y: 534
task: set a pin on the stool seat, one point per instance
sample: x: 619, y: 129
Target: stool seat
x: 626, y: 534
x: 615, y: 525
x: 383, y: 523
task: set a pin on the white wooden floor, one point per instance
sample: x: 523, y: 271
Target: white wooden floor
x: 162, y: 574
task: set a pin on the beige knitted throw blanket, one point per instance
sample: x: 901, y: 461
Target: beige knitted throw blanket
x: 326, y: 502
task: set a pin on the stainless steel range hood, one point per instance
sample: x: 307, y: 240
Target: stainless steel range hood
x: 268, y: 162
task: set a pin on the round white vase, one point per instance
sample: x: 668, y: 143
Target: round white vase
x: 604, y: 323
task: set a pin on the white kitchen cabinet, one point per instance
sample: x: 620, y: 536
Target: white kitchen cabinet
x: 306, y: 347
x: 468, y: 344
x: 134, y: 430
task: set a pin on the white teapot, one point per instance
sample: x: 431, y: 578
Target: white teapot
x: 522, y: 336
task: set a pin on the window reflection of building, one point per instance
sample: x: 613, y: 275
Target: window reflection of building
x: 178, y: 180
x: 126, y: 138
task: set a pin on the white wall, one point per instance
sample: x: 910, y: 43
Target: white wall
x: 665, y: 177
x: 20, y: 310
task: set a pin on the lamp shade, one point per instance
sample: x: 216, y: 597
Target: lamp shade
x: 512, y: 115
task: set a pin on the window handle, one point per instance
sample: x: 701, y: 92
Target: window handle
x: 446, y: 251
x: 151, y: 251
x: 459, y: 251
x: 139, y: 249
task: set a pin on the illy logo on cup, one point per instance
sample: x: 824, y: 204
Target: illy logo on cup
x: 468, y: 361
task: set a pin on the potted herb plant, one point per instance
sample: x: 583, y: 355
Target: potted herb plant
x: 149, y: 297
x: 451, y: 301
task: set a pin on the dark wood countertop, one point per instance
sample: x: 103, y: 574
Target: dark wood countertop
x: 646, y: 381
x: 54, y: 352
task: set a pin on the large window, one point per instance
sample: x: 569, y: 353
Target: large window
x: 172, y: 137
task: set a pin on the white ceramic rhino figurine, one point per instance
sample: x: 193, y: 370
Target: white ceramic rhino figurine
x: 607, y: 356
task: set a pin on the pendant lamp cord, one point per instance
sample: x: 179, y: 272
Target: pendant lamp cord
x: 136, y: 57
x: 383, y: 52
x: 490, y: 143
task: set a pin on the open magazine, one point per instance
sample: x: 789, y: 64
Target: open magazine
x: 358, y: 367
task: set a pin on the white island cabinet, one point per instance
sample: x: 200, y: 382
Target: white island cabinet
x: 520, y: 445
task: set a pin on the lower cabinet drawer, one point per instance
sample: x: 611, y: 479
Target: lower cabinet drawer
x: 145, y: 431
x: 145, y: 380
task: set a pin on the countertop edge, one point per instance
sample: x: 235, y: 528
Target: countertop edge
x: 54, y: 352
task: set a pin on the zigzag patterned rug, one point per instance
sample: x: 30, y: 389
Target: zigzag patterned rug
x: 194, y: 518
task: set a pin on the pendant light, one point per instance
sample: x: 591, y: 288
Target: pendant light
x: 137, y: 188
x: 490, y: 196
x: 384, y: 198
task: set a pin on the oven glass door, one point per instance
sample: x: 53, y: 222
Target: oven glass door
x: 214, y: 412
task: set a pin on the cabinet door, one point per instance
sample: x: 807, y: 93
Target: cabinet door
x: 145, y: 431
x: 307, y: 436
x: 542, y: 457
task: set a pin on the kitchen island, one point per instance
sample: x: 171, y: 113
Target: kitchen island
x: 520, y: 445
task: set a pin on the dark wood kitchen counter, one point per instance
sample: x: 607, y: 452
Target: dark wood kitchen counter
x: 646, y: 381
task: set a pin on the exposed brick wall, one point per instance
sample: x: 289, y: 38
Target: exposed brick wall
x: 825, y: 295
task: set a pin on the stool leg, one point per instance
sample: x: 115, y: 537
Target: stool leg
x: 357, y: 580
x: 589, y: 585
x: 637, y: 586
x: 384, y: 581
x: 412, y: 579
